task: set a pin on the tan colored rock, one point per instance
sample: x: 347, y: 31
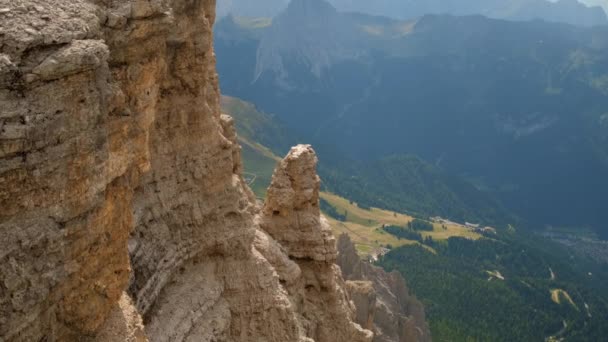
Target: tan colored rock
x: 291, y: 216
x: 65, y: 197
x: 291, y: 211
x: 117, y: 172
x: 123, y: 324
x: 79, y: 56
x: 363, y: 295
x: 397, y: 315
x: 287, y: 270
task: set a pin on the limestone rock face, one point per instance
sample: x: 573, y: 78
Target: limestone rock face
x: 291, y: 211
x: 292, y: 218
x: 123, y: 324
x: 67, y: 172
x: 397, y: 316
x: 363, y: 296
x: 123, y: 213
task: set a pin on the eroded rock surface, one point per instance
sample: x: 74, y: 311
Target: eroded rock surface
x: 291, y: 217
x: 117, y: 172
x: 67, y: 172
x: 382, y: 299
x: 291, y: 211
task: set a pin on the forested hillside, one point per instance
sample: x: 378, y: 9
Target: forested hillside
x: 506, y: 288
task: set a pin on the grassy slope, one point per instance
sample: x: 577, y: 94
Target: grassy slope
x: 363, y: 225
x: 259, y: 161
x: 258, y: 165
x: 257, y: 128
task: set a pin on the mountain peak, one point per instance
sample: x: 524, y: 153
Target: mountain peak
x: 305, y: 8
x: 309, y: 29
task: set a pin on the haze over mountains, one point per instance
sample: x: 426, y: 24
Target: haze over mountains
x: 601, y: 3
x: 586, y: 13
x: 516, y: 108
x: 567, y: 11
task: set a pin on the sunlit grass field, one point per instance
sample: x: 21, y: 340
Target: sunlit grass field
x: 365, y: 226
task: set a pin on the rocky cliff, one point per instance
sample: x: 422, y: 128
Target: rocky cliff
x: 123, y: 213
x: 384, y: 304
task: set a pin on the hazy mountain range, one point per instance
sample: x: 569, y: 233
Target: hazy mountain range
x: 517, y: 108
x: 567, y: 11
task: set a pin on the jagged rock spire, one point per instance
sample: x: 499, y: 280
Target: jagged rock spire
x: 293, y: 223
x: 291, y: 212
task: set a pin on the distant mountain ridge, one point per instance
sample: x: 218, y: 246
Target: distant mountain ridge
x: 583, y: 13
x: 314, y: 26
x: 564, y: 11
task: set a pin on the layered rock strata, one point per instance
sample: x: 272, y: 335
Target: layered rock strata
x: 383, y: 301
x: 73, y: 143
x: 117, y: 172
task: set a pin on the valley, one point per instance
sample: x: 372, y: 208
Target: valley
x: 478, y: 285
x: 490, y: 121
